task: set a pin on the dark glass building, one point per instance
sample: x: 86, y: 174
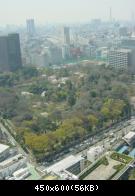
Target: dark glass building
x: 10, y: 53
x: 67, y: 35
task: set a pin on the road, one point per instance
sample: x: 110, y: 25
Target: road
x: 12, y: 140
x: 103, y: 138
x: 106, y: 138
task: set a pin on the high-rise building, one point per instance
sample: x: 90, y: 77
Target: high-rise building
x: 119, y: 58
x: 67, y: 35
x: 10, y: 53
x: 4, y: 63
x: 31, y: 27
x: 65, y: 52
x: 129, y: 43
x: 56, y: 55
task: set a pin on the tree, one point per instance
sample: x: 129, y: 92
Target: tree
x: 71, y: 99
x: 61, y: 95
x: 7, y: 79
x: 29, y: 72
x: 56, y: 115
x: 93, y: 93
x: 8, y: 101
x: 69, y: 85
x: 93, y: 120
x: 112, y: 109
x: 105, y: 112
x: 119, y: 90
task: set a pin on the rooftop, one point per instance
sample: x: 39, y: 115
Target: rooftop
x: 96, y: 149
x: 130, y: 135
x: 10, y: 161
x: 3, y: 148
x: 20, y: 171
x: 64, y: 164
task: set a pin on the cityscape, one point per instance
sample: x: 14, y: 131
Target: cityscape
x: 67, y: 93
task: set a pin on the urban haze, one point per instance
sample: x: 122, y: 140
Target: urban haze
x: 67, y: 90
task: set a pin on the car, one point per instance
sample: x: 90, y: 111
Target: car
x: 66, y: 151
x: 113, y: 140
x: 81, y: 145
x: 77, y: 146
x: 71, y: 149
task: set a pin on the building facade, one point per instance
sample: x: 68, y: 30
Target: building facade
x: 10, y: 53
x: 119, y: 58
x: 130, y: 44
x: 94, y: 153
x: 4, y: 151
x: 66, y: 35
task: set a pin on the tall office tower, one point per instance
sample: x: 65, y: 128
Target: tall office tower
x: 66, y: 35
x: 4, y: 65
x: 31, y: 27
x: 10, y: 53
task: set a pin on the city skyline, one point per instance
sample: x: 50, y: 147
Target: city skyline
x: 43, y: 11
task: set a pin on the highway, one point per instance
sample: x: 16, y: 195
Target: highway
x: 108, y: 140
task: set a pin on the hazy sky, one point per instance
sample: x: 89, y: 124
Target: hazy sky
x: 16, y: 11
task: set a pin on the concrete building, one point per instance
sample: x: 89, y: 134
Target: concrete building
x: 9, y: 166
x: 47, y: 56
x: 43, y: 59
x: 129, y: 138
x: 94, y: 153
x: 130, y: 44
x: 103, y: 52
x: 119, y: 58
x: 10, y: 53
x: 93, y: 51
x: 4, y: 151
x: 31, y: 27
x: 65, y: 52
x: 4, y: 64
x: 56, y: 55
x: 70, y: 167
x: 21, y: 174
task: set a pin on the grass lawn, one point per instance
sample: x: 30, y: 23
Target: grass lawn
x: 121, y: 158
